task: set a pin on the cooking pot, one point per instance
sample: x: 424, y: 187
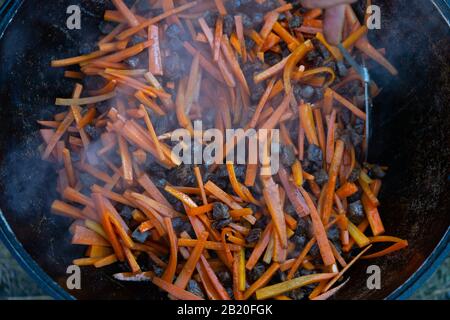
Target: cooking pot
x: 411, y: 136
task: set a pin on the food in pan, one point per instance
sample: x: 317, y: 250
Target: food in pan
x: 219, y: 230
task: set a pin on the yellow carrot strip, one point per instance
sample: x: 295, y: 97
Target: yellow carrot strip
x: 280, y: 288
x: 297, y: 173
x: 84, y: 101
x: 242, y: 272
x: 76, y: 60
x: 209, y: 245
x: 298, y: 54
x: 85, y: 261
x: 105, y: 261
x: 285, y: 35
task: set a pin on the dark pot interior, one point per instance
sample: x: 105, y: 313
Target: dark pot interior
x: 411, y: 127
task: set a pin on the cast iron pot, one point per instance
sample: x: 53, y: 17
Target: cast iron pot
x: 411, y: 130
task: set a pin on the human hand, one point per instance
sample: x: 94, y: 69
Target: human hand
x: 334, y: 17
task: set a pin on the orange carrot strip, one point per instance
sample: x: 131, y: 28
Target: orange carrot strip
x: 169, y: 273
x: 395, y: 247
x: 209, y: 245
x: 209, y: 67
x: 65, y: 124
x: 330, y: 137
x: 87, y: 118
x: 131, y: 31
x: 262, y: 102
x: 319, y: 232
x: 64, y: 209
x: 97, y: 173
x: 69, y: 167
x: 293, y: 194
x: 240, y: 35
x: 106, y: 261
x: 174, y: 290
x: 152, y: 132
x: 155, y: 205
x: 155, y: 59
x: 111, y: 195
x: 270, y: 20
x: 127, y: 167
x: 85, y: 236
x: 350, y: 106
x: 320, y: 129
x: 234, y: 63
x: 107, y: 226
x: 250, y: 174
x: 262, y: 281
x: 148, y: 185
x: 332, y: 177
x: 200, y: 210
x: 258, y: 250
x: 221, y: 7
x: 272, y: 197
x: 285, y: 35
x: 140, y: 95
x: 189, y: 267
x: 75, y: 196
x: 76, y: 60
x: 217, y: 38
x: 126, y: 12
x: 307, y: 121
x: 221, y: 195
x: 346, y: 190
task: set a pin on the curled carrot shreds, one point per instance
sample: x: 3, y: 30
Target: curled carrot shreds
x: 292, y: 61
x: 308, y: 73
x: 395, y: 247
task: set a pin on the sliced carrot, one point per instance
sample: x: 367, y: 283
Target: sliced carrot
x: 332, y: 177
x: 169, y: 272
x: 262, y: 281
x: 189, y: 267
